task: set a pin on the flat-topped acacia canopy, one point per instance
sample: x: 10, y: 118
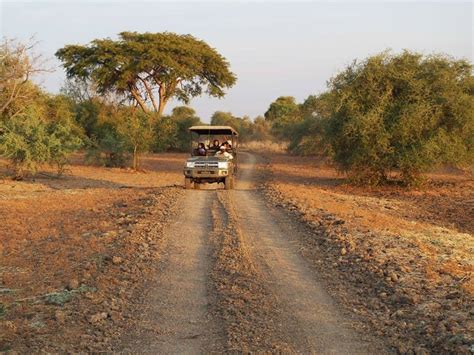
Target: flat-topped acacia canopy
x: 214, y: 130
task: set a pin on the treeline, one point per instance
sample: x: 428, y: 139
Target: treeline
x: 405, y: 113
x: 112, y: 104
x: 38, y: 128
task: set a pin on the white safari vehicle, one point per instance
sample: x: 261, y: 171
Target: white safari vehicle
x: 213, y: 156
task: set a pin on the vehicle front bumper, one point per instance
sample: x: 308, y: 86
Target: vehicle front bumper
x: 205, y: 173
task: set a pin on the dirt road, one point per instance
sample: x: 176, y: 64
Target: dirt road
x: 231, y: 278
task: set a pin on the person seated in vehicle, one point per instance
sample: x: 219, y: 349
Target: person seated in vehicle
x: 227, y: 144
x: 201, y: 150
x: 215, y: 145
x: 223, y: 153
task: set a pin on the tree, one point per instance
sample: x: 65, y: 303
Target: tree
x: 35, y: 128
x: 149, y: 69
x: 308, y: 136
x: 406, y: 112
x: 43, y: 133
x: 18, y: 64
x: 283, y: 114
x: 171, y: 132
x: 136, y: 127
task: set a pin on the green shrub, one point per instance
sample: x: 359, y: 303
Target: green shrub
x: 403, y: 112
x: 284, y: 115
x: 171, y: 132
x: 29, y: 141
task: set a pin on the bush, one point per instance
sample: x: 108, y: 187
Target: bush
x: 284, y: 115
x: 107, y: 147
x: 401, y: 112
x: 171, y: 132
x: 29, y: 142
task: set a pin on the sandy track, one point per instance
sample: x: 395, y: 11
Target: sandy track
x: 232, y: 279
x: 314, y: 321
x: 176, y: 319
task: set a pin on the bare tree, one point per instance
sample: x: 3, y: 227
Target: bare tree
x: 18, y: 64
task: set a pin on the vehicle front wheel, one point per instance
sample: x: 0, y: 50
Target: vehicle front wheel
x: 188, y: 183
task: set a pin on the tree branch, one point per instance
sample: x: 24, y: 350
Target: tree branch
x: 138, y: 98
x: 150, y: 93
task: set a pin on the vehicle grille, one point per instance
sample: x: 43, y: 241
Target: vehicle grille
x: 209, y: 164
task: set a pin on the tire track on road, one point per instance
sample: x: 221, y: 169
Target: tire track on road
x: 176, y: 318
x: 311, y: 317
x: 249, y: 311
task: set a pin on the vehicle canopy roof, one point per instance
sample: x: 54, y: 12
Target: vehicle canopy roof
x: 214, y: 130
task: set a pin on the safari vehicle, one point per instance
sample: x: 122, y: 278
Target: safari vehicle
x: 204, y: 166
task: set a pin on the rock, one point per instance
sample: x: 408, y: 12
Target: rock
x: 60, y: 316
x: 116, y: 260
x: 72, y: 284
x: 397, y: 314
x: 393, y: 277
x: 98, y: 317
x: 343, y: 251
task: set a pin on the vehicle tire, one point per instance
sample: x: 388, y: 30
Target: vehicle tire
x: 188, y: 183
x: 228, y: 183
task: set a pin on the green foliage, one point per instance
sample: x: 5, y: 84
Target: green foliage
x: 137, y: 129
x: 58, y: 298
x: 284, y: 115
x: 405, y: 112
x: 171, y: 65
x: 29, y: 141
x: 308, y: 137
x: 171, y: 132
x: 115, y: 132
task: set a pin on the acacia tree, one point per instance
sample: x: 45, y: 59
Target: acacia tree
x: 149, y: 69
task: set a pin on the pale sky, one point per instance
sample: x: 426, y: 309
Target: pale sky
x: 275, y: 48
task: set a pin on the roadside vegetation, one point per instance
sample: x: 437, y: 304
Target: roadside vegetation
x: 111, y: 106
x: 391, y: 113
x: 390, y: 117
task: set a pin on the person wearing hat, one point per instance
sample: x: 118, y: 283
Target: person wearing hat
x: 223, y: 153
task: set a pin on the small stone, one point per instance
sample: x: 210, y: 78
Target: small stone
x: 117, y: 260
x: 393, y: 276
x: 98, y: 317
x: 73, y: 284
x: 343, y: 251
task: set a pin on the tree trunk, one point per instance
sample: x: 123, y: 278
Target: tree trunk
x: 135, y: 158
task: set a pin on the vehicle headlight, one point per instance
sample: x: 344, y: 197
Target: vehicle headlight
x: 189, y: 164
x: 223, y: 165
